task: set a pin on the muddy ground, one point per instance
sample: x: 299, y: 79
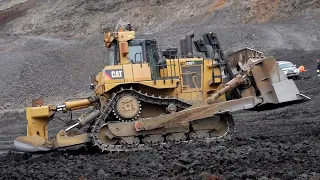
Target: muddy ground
x: 283, y: 143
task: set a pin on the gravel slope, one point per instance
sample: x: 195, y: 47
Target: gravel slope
x: 51, y: 50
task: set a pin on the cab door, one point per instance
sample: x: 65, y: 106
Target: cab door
x: 139, y: 69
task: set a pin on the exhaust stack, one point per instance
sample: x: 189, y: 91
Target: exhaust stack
x: 186, y: 45
x: 183, y: 47
x: 189, y: 48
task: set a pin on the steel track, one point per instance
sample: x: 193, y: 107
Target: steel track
x: 107, y: 110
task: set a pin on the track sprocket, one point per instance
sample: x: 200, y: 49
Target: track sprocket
x: 127, y: 108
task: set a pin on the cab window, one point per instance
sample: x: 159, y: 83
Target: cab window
x: 135, y: 54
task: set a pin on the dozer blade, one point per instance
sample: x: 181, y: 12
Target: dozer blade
x: 273, y: 84
x: 32, y: 144
x: 62, y: 140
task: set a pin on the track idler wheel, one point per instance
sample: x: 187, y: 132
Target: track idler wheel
x: 225, y: 127
x: 132, y: 140
x: 153, y: 139
x: 176, y: 137
x: 204, y: 134
x: 105, y: 134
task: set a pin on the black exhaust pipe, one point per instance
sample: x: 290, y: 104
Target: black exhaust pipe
x: 183, y: 47
x: 189, y: 46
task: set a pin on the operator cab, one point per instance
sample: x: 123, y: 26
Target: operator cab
x: 163, y: 64
x: 144, y: 51
x: 139, y: 51
x: 127, y: 49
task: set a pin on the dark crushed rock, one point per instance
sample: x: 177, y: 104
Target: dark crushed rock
x: 235, y: 162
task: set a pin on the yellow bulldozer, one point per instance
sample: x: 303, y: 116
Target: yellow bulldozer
x: 150, y: 97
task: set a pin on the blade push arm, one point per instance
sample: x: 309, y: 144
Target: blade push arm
x: 75, y: 105
x: 235, y: 82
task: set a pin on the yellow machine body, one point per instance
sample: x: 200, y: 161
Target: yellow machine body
x: 190, y: 79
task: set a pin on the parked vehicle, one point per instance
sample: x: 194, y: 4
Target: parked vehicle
x: 289, y: 69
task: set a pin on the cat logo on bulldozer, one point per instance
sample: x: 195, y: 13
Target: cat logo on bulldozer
x: 114, y: 74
